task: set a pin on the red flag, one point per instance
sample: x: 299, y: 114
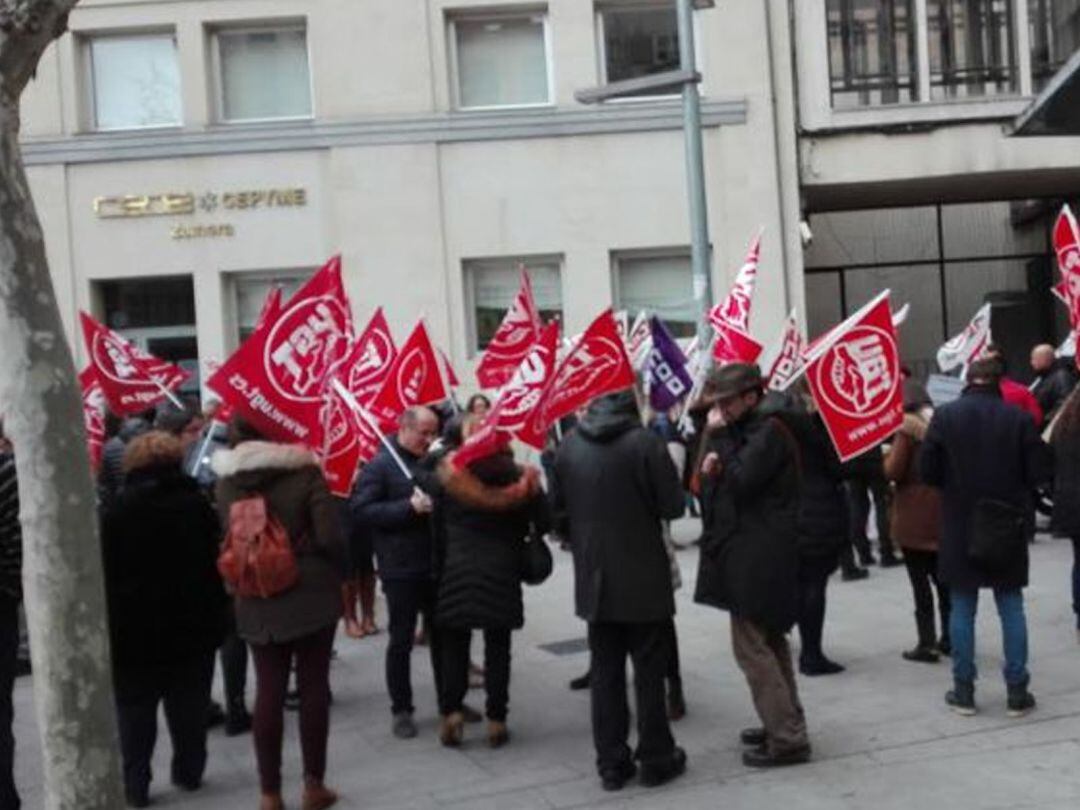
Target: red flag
x: 597, y: 365
x: 275, y: 380
x: 451, y: 375
x: 734, y: 311
x: 854, y: 375
x: 486, y: 441
x: 130, y: 379
x: 734, y: 346
x: 787, y: 365
x: 93, y: 401
x: 1067, y: 248
x: 414, y: 378
x: 347, y: 438
x: 519, y: 330
x: 271, y: 308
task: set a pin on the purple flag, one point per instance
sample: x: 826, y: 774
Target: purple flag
x: 669, y: 381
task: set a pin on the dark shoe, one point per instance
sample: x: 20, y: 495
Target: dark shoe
x: 581, y: 682
x: 656, y: 774
x: 854, y: 574
x: 237, y: 722
x: 866, y: 558
x: 819, y: 666
x: 215, y: 715
x: 404, y: 728
x: 452, y: 730
x: 292, y: 700
x: 961, y: 698
x: 760, y: 758
x: 616, y: 778
x: 753, y: 737
x: 926, y: 655
x: 137, y: 797
x: 676, y: 703
x: 1020, y: 701
x: 470, y: 714
x: 890, y: 561
x: 188, y: 785
x: 498, y: 734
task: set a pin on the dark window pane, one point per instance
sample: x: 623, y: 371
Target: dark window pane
x: 871, y: 52
x: 971, y: 48
x: 640, y: 42
x: 143, y: 303
x: 1055, y: 36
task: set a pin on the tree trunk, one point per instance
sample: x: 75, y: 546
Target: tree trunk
x: 40, y: 401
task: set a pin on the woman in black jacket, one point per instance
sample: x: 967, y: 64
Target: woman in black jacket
x: 166, y: 610
x: 1065, y: 441
x: 482, y: 519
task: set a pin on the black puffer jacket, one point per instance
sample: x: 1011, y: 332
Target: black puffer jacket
x: 823, y: 505
x: 980, y: 447
x: 1052, y: 388
x: 1066, y: 445
x: 482, y: 521
x: 749, y: 560
x: 159, y: 545
x: 614, y: 485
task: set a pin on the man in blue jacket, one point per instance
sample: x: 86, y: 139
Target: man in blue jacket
x: 986, y: 456
x: 397, y: 511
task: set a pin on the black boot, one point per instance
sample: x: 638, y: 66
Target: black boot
x: 1020, y: 701
x: 926, y: 650
x: 961, y: 698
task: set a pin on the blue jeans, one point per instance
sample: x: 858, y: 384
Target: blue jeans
x: 1010, y: 605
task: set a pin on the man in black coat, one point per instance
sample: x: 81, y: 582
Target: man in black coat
x: 1055, y: 378
x: 749, y: 561
x: 985, y: 456
x: 398, y: 514
x: 615, y: 485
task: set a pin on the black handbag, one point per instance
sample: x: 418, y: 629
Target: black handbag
x: 536, y: 560
x: 998, y: 535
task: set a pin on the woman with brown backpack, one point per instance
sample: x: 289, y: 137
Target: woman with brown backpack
x: 282, y: 557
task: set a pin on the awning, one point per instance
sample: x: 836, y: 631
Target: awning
x: 1057, y: 109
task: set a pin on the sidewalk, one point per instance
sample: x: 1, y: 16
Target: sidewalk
x: 882, y: 737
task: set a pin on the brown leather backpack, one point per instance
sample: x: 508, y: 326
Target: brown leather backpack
x: 257, y: 558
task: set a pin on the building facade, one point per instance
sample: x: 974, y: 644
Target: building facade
x: 185, y: 155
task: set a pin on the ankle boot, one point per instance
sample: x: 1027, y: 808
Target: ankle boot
x: 498, y: 734
x: 452, y: 729
x: 926, y: 649
x: 317, y: 796
x: 1020, y: 701
x: 271, y: 801
x: 961, y: 698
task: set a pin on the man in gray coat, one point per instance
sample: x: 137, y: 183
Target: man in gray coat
x: 615, y: 484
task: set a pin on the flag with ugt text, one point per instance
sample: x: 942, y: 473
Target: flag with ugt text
x: 669, y: 380
x: 596, y: 365
x: 965, y: 348
x: 347, y: 438
x: 854, y: 376
x: 275, y: 379
x: 93, y: 402
x: 519, y: 330
x: 416, y: 377
x: 787, y: 364
x: 731, y: 317
x: 1067, y: 248
x: 131, y: 380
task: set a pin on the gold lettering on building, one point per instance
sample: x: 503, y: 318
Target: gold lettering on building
x: 130, y: 206
x: 202, y: 231
x: 144, y: 205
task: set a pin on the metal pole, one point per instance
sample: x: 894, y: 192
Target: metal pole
x: 695, y: 173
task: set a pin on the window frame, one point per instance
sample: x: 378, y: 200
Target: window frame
x: 512, y: 263
x: 617, y: 257
x: 217, y: 76
x: 496, y: 15
x: 86, y: 41
x: 233, y: 280
x: 603, y: 6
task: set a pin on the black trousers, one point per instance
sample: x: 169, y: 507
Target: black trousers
x: 922, y: 571
x: 184, y: 688
x: 455, y: 669
x: 407, y: 599
x: 674, y: 671
x: 234, y: 664
x: 9, y: 650
x: 814, y: 573
x: 860, y: 490
x: 647, y: 645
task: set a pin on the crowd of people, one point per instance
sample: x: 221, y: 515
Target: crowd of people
x: 954, y: 495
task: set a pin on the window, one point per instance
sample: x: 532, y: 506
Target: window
x: 1055, y: 35
x: 251, y: 290
x: 135, y: 81
x: 492, y: 284
x: 971, y: 48
x: 263, y: 73
x: 501, y: 60
x: 660, y: 284
x: 871, y: 52
x: 639, y: 40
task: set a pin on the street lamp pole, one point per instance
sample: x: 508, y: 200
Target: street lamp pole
x: 695, y: 173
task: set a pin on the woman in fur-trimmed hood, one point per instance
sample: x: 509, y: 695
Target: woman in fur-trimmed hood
x: 299, y: 622
x: 483, y: 517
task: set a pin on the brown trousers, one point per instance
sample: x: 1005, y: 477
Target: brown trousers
x: 765, y: 660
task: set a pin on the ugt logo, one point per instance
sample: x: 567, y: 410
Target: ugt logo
x: 114, y: 359
x: 860, y: 374
x: 304, y: 345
